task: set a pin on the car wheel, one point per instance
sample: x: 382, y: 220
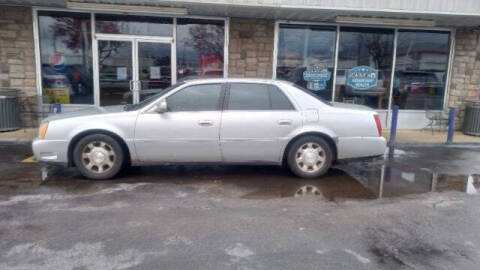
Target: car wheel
x: 310, y: 157
x: 98, y: 156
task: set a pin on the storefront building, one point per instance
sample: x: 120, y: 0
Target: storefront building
x: 82, y: 53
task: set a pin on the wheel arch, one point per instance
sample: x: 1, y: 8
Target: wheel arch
x: 322, y: 135
x: 82, y: 134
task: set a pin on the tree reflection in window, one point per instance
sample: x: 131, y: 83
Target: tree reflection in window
x: 200, y: 48
x: 66, y: 57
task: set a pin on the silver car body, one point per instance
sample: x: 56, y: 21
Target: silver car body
x: 258, y: 137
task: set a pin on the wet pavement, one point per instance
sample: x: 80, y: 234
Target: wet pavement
x: 245, y: 217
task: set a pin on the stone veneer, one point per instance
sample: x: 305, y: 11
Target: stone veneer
x: 465, y: 78
x: 250, y: 48
x: 17, y: 54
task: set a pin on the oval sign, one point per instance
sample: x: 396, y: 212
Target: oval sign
x: 362, y: 77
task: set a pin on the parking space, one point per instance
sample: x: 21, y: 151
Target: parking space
x: 233, y: 217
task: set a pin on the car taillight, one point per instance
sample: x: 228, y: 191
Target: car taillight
x: 379, y: 124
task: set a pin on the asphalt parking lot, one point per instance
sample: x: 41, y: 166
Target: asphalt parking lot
x: 230, y: 217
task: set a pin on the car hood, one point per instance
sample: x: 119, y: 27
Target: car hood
x: 86, y: 112
x: 350, y: 106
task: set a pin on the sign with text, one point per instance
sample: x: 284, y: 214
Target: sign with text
x: 362, y: 77
x: 317, y: 78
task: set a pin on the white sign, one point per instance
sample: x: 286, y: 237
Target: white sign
x: 122, y: 73
x: 155, y: 72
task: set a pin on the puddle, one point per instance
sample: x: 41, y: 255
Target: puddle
x: 399, y: 175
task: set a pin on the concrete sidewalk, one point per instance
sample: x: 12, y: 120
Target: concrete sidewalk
x: 21, y: 135
x: 426, y: 136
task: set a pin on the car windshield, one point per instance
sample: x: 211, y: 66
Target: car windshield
x: 149, y: 100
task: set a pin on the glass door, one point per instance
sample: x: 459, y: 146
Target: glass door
x: 115, y: 72
x: 131, y: 69
x: 154, y: 67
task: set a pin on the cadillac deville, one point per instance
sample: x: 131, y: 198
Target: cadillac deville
x: 215, y: 121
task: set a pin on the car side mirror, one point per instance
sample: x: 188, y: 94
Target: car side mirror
x: 162, y: 107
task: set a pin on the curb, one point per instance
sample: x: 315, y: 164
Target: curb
x: 451, y: 145
x: 15, y: 141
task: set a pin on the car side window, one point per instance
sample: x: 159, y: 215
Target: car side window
x: 254, y: 96
x: 204, y: 97
x: 279, y: 100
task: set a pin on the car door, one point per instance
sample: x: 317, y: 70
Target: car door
x: 187, y: 132
x: 257, y: 122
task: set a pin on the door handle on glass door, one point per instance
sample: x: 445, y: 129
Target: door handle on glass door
x: 284, y: 122
x: 205, y: 122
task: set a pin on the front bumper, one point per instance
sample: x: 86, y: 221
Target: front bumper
x: 51, y: 151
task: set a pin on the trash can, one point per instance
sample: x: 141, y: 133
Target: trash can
x: 471, y: 126
x: 9, y: 110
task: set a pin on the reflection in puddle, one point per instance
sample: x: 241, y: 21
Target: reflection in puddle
x: 390, y: 179
x: 346, y: 181
x: 398, y: 175
x: 307, y: 190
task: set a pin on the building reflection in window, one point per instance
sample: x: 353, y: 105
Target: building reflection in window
x: 306, y: 56
x: 364, y: 66
x: 66, y: 57
x: 420, y: 69
x: 133, y: 25
x: 200, y: 48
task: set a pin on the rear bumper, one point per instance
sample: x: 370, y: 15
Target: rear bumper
x: 359, y: 147
x: 51, y: 151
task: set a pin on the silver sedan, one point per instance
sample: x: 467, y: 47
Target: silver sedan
x: 218, y: 121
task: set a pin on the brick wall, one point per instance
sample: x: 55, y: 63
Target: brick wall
x: 250, y: 48
x: 17, y: 54
x: 465, y: 80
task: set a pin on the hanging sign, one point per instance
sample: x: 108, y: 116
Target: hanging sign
x: 121, y: 73
x: 155, y: 72
x: 317, y: 77
x: 362, y: 77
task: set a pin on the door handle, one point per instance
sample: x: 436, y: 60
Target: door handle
x: 205, y: 123
x: 285, y: 122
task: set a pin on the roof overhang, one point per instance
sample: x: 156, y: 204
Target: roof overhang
x: 441, y: 13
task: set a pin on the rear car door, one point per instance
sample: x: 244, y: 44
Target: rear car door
x: 257, y: 122
x: 187, y: 132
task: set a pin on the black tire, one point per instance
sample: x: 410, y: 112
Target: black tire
x: 109, y: 171
x: 322, y: 168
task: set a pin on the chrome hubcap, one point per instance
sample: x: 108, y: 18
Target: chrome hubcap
x: 310, y: 157
x: 98, y: 157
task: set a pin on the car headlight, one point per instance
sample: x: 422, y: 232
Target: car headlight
x: 43, y: 130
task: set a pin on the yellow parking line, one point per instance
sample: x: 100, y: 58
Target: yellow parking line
x: 31, y: 159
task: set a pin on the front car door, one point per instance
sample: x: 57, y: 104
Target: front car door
x: 187, y: 132
x: 257, y: 122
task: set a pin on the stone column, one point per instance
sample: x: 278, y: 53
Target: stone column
x: 251, y: 48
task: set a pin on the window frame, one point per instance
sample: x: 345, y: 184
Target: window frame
x: 38, y: 70
x: 220, y: 99
x: 450, y: 56
x: 38, y: 57
x: 270, y: 87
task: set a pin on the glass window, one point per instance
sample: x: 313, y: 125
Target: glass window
x: 420, y: 69
x: 133, y: 25
x: 66, y: 57
x: 154, y: 67
x: 278, y: 100
x: 195, y: 98
x: 365, y: 59
x: 200, y: 45
x: 252, y: 96
x: 306, y: 57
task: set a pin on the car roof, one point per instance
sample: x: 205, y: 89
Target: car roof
x: 237, y: 80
